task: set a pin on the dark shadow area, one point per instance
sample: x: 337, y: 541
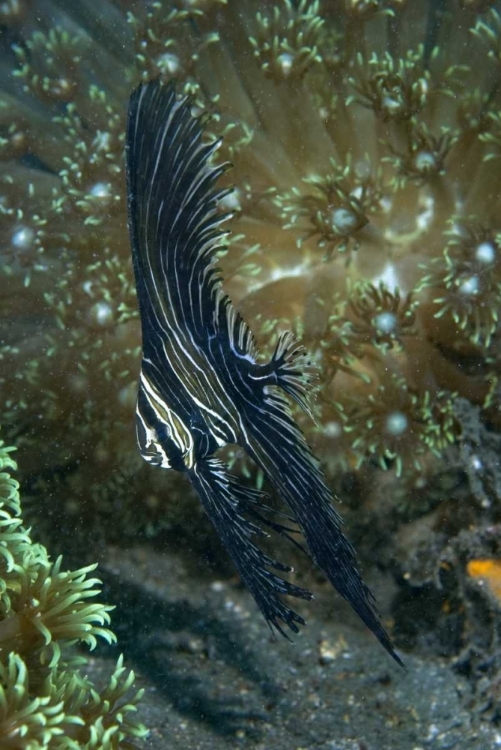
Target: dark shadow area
x: 155, y: 637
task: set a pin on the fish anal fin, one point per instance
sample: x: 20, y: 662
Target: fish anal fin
x: 226, y: 501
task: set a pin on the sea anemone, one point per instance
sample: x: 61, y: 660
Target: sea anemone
x: 364, y: 138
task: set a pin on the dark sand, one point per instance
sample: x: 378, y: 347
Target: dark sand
x: 214, y: 677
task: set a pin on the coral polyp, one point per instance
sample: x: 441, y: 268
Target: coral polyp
x: 392, y: 89
x: 382, y: 318
x: 286, y: 42
x: 424, y: 156
x: 466, y: 281
x: 333, y: 208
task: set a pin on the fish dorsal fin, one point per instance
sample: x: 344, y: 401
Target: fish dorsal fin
x: 174, y: 218
x: 240, y: 337
x: 294, y: 370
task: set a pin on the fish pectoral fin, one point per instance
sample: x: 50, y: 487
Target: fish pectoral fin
x: 226, y: 500
x: 293, y: 370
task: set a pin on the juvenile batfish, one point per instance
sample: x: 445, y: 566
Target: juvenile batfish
x: 201, y: 386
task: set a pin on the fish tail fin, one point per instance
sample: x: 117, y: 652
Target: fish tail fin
x: 226, y: 501
x: 279, y: 448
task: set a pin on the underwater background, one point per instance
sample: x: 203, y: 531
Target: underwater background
x: 365, y: 138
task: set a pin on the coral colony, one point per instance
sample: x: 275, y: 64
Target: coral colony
x: 365, y: 139
x: 46, y: 701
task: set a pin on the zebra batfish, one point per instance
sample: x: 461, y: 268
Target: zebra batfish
x: 201, y: 384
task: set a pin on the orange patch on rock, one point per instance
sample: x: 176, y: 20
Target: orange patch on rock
x: 488, y: 572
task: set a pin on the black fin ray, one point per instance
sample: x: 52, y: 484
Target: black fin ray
x: 173, y: 209
x: 240, y: 337
x: 278, y: 447
x: 223, y: 497
x: 256, y: 507
x: 294, y: 370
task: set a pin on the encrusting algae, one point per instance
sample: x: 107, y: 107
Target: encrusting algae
x: 46, y: 701
x: 365, y: 137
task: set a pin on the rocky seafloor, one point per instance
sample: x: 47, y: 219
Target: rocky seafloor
x: 215, y: 677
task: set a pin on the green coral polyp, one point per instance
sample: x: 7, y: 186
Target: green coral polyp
x: 286, y: 44
x: 466, y: 281
x: 55, y: 56
x: 45, y: 704
x: 382, y: 317
x: 333, y: 208
x: 425, y: 155
x: 394, y: 89
x: 400, y: 427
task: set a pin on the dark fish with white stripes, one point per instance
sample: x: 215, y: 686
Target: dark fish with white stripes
x: 201, y: 385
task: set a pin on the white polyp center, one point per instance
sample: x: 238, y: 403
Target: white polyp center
x: 102, y: 313
x: 101, y: 190
x: 102, y: 141
x: 232, y: 201
x: 386, y: 322
x: 23, y: 237
x: 333, y: 430
x: 425, y: 162
x: 396, y: 424
x: 390, y: 104
x: 285, y: 62
x: 344, y: 220
x: 470, y: 286
x: 168, y: 63
x: 485, y: 253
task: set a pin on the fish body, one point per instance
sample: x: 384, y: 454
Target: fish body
x: 201, y: 385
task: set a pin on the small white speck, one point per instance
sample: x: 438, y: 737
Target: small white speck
x: 100, y: 190
x: 470, y: 286
x: 285, y: 62
x: 476, y: 463
x: 485, y: 253
x: 385, y: 322
x: 168, y: 63
x: 425, y: 162
x: 102, y: 313
x: 23, y: 238
x: 333, y: 430
x: 396, y: 423
x: 344, y: 220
